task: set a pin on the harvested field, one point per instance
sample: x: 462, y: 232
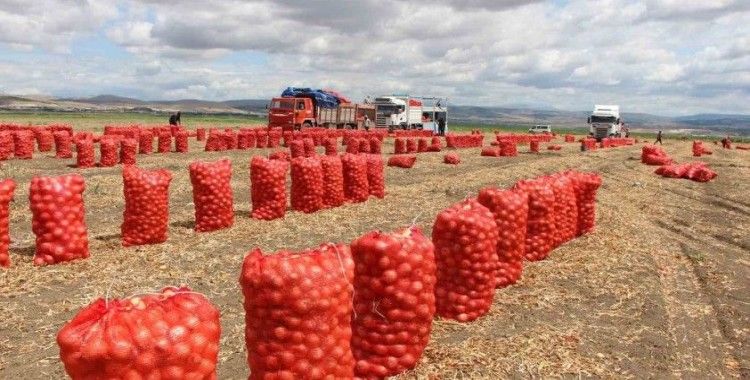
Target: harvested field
x: 660, y: 289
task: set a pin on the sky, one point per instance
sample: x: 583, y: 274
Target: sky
x: 667, y: 57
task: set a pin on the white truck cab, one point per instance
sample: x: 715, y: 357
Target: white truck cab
x: 605, y: 121
x: 539, y: 128
x: 398, y: 112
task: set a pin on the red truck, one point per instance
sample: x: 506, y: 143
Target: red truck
x: 290, y: 113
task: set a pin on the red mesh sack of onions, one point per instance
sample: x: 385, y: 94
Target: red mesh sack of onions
x: 452, y: 159
x: 297, y: 148
x: 145, y: 142
x: 181, y: 142
x: 435, y: 144
x: 84, y: 153
x: 465, y: 237
x: 146, y: 215
x: 108, y: 152
x: 58, y: 219
x: 261, y: 139
x: 200, y: 134
x: 274, y: 139
x: 23, y: 142
x: 402, y: 161
x: 411, y: 146
x: 268, y: 187
x: 230, y: 139
x: 44, y: 140
x: 128, y: 151
x: 7, y: 146
x: 330, y: 146
x: 375, y: 175
x: 399, y: 146
x: 251, y: 138
x: 586, y: 186
x: 333, y: 181
x: 510, y: 209
x: 534, y: 146
x: 279, y: 155
x: 63, y: 145
x: 376, y: 146
x: 356, y: 187
x: 309, y: 145
x: 307, y: 184
x: 164, y: 142
x: 490, y: 151
x: 7, y: 187
x: 298, y: 309
x: 422, y: 145
x: 540, y: 226
x: 364, y: 145
x: 212, y: 194
x: 394, y: 301
x: 173, y: 334
x: 352, y: 146
x: 566, y: 209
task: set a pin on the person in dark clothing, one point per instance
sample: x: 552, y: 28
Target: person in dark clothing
x: 174, y: 119
x: 658, y: 138
x: 441, y: 127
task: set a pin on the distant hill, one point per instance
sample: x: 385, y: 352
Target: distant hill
x: 519, y: 114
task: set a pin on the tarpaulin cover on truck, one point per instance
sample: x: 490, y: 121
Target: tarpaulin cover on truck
x: 321, y: 98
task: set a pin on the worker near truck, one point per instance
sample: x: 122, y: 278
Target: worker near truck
x: 726, y: 143
x: 366, y: 123
x: 441, y: 126
x: 658, y: 138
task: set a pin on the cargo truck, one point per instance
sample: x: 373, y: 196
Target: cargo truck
x: 398, y: 112
x: 307, y: 109
x: 605, y: 122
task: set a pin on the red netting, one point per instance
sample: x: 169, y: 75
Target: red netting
x: 586, y: 186
x: 411, y: 146
x: 399, y: 146
x: 164, y: 143
x: 170, y: 335
x: 510, y: 209
x: 422, y: 145
x: 212, y: 194
x: 307, y: 184
x: 402, y: 161
x: 376, y: 146
x: 376, y: 175
x: 534, y: 146
x: 490, y: 151
x: 394, y: 301
x: 297, y: 148
x: 181, y: 142
x: 145, y: 142
x: 356, y: 187
x: 63, y: 145
x: 7, y: 146
x: 7, y: 187
x: 540, y: 227
x: 330, y: 146
x: 146, y: 215
x: 452, y: 159
x: 352, y: 146
x: 58, y: 218
x: 128, y: 151
x: 268, y: 187
x: 566, y: 209
x: 333, y: 181
x: 465, y: 237
x: 23, y: 142
x: 280, y: 155
x: 309, y: 147
x: 84, y: 153
x: 44, y: 140
x: 108, y: 152
x: 298, y: 312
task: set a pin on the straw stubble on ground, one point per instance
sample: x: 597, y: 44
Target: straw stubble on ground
x: 660, y: 289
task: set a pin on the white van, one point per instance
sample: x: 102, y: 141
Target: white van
x: 540, y: 129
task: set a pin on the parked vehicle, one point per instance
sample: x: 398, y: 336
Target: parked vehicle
x: 398, y: 112
x: 539, y: 128
x: 305, y: 108
x: 605, y: 122
x: 434, y: 109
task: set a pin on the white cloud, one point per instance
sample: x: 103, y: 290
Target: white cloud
x: 648, y: 55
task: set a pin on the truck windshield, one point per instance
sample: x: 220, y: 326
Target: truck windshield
x: 282, y: 104
x: 603, y: 119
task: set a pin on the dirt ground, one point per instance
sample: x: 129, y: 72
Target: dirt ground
x: 660, y: 289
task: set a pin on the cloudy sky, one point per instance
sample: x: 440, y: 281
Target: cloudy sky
x: 669, y: 57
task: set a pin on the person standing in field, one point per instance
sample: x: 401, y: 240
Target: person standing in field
x: 441, y: 126
x: 366, y: 123
x: 174, y: 119
x: 658, y: 138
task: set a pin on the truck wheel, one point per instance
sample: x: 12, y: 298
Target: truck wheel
x: 307, y: 124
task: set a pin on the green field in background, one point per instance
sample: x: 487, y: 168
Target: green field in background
x: 95, y: 121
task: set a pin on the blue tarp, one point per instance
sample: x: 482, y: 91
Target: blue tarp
x: 321, y: 98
